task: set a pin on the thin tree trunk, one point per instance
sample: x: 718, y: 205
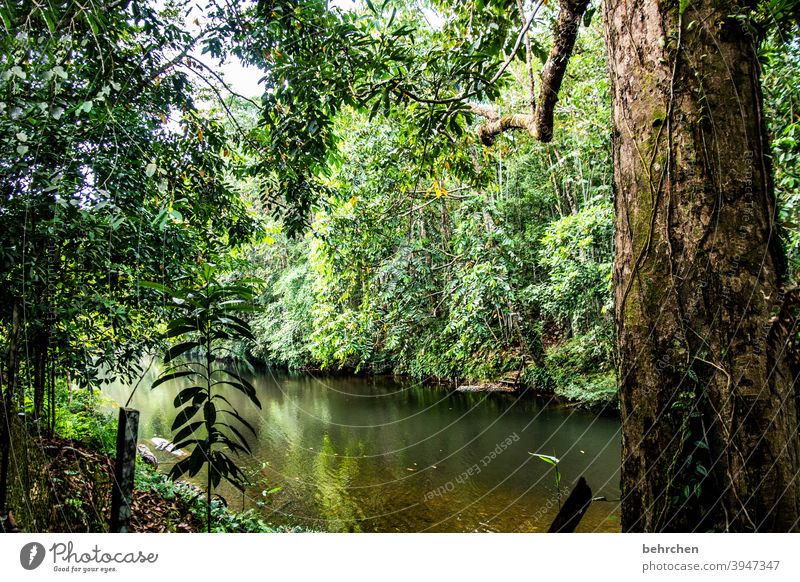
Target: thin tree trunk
x: 52, y: 395
x: 5, y: 441
x: 8, y: 408
x: 39, y: 374
x: 706, y: 365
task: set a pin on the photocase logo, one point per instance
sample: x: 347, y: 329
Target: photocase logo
x: 31, y: 555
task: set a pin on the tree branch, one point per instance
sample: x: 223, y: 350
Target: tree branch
x: 569, y: 18
x: 528, y: 62
x: 497, y: 124
x: 221, y: 81
x: 540, y: 122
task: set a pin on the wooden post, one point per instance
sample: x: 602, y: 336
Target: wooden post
x: 127, y: 435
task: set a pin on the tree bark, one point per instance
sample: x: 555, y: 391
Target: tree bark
x: 706, y: 359
x: 570, y: 13
x: 8, y: 407
x: 539, y: 123
x: 39, y: 352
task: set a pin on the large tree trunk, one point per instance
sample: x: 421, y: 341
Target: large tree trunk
x: 706, y: 368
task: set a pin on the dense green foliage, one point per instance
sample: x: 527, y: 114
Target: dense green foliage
x: 430, y: 254
x: 781, y: 57
x: 223, y: 518
x: 390, y: 238
x: 85, y: 416
x: 473, y: 263
x: 111, y: 175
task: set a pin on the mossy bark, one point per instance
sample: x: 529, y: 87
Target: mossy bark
x: 706, y: 365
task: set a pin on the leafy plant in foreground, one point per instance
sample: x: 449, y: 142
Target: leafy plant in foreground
x: 551, y: 460
x: 207, y: 317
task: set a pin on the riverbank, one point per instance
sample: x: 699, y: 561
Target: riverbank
x: 66, y: 486
x: 186, y: 509
x: 595, y: 390
x: 575, y: 370
x: 80, y: 483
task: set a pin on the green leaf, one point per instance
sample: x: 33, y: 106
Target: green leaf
x: 239, y: 378
x: 238, y: 417
x: 239, y: 331
x: 221, y: 397
x: 188, y: 430
x: 185, y: 443
x: 173, y: 376
x: 184, y: 416
x: 546, y: 458
x: 152, y: 285
x: 192, y: 464
x: 179, y: 331
x: 243, y: 386
x: 244, y: 308
x: 235, y: 319
x: 179, y: 322
x: 180, y: 349
x: 187, y: 394
x: 238, y: 434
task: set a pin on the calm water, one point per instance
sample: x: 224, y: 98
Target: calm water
x: 355, y: 454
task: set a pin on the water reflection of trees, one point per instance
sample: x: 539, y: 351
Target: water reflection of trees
x: 334, y: 474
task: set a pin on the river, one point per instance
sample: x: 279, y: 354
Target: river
x: 386, y: 455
